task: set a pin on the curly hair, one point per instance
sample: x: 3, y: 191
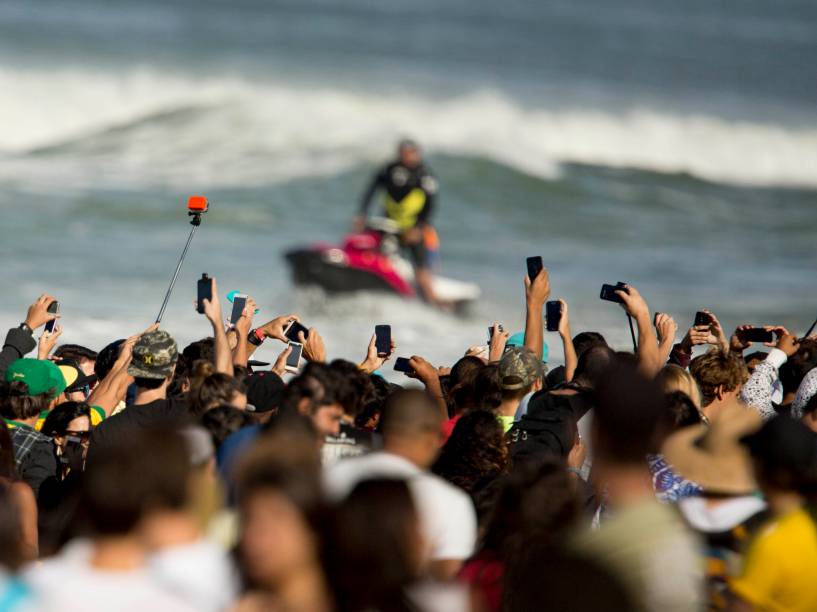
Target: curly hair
x: 717, y: 369
x: 476, y: 452
x: 209, y: 388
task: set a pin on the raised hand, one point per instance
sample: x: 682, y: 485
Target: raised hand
x: 277, y: 327
x: 314, y: 347
x: 374, y: 361
x: 498, y: 341
x: 38, y: 314
x: 212, y: 307
x: 47, y: 342
x: 537, y: 291
x: 666, y: 327
x: 280, y: 365
x: 244, y: 323
x: 633, y: 303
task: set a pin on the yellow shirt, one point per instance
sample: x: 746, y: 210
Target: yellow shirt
x: 781, y: 566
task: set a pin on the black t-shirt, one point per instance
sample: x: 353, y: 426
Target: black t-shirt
x: 118, y: 429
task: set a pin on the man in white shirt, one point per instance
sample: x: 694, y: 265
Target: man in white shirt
x: 411, y: 427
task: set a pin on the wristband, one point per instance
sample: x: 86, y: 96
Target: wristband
x: 24, y: 326
x: 255, y: 338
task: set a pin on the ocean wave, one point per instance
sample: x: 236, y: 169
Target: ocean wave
x: 141, y: 126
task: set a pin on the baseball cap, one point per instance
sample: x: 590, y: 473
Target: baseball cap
x: 784, y: 443
x: 265, y: 390
x: 74, y: 377
x: 518, y: 339
x: 519, y: 368
x: 40, y: 375
x: 154, y: 355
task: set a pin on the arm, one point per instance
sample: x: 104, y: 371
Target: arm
x: 374, y: 361
x: 536, y: 294
x: 212, y: 310
x: 571, y: 359
x: 112, y: 389
x: 757, y: 392
x: 366, y: 200
x: 496, y: 347
x: 241, y: 353
x: 667, y: 328
x: 429, y: 186
x: 20, y: 342
x: 273, y: 329
x: 430, y: 377
x: 806, y: 390
x: 649, y: 359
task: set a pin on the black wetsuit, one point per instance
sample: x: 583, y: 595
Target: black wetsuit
x: 410, y: 196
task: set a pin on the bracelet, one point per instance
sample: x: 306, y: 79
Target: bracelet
x: 255, y: 338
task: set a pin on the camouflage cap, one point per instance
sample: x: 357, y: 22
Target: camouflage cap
x: 154, y: 356
x: 519, y: 368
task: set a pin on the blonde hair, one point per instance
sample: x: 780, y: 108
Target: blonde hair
x: 675, y: 378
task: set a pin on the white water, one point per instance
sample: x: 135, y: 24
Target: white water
x: 143, y: 127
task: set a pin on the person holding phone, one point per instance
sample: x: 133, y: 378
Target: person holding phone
x: 410, y: 194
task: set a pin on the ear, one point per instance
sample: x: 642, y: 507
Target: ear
x: 304, y: 406
x: 719, y: 392
x: 538, y: 384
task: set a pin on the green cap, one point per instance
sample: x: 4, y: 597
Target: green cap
x: 519, y: 368
x: 154, y: 356
x: 40, y: 375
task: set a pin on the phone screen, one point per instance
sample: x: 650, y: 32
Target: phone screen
x: 239, y: 302
x: 294, y: 329
x: 53, y: 308
x: 205, y: 291
x: 382, y: 339
x: 535, y: 266
x: 294, y: 358
x: 553, y: 312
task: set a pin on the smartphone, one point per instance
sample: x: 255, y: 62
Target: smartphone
x: 239, y: 303
x: 608, y: 292
x: 293, y: 330
x: 401, y: 364
x: 294, y: 358
x: 53, y: 308
x: 535, y: 266
x: 491, y: 332
x: 382, y: 340
x: 553, y: 314
x: 757, y: 334
x: 205, y: 292
x: 702, y: 318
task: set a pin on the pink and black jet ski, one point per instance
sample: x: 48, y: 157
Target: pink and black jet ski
x: 370, y: 261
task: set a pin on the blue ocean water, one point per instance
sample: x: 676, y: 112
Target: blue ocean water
x: 672, y: 145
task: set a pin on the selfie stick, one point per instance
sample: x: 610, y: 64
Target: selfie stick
x: 632, y: 333
x: 810, y: 329
x: 196, y: 206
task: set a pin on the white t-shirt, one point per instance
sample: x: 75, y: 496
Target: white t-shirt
x: 446, y: 512
x: 68, y: 583
x: 200, y: 573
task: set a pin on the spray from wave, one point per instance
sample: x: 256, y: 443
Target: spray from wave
x: 141, y: 127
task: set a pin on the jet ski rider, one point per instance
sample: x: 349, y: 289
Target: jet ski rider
x: 410, y: 193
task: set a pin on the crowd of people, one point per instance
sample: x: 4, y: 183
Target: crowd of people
x: 142, y: 476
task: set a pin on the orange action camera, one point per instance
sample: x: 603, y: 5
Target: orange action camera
x: 197, y: 204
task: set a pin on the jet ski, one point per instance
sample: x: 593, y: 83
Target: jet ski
x: 371, y: 261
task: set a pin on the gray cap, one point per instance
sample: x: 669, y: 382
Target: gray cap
x: 519, y: 368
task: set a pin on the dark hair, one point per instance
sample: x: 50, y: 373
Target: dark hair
x: 223, y: 421
x: 486, y: 387
x: 8, y: 466
x: 122, y: 483
x: 204, y: 349
x: 381, y: 390
x: 585, y: 340
x: 354, y: 388
x: 566, y: 579
x: 475, y: 453
x: 628, y: 409
x: 11, y: 533
x: 317, y: 383
x: 106, y: 358
x: 210, y: 388
x: 372, y: 573
x: 75, y: 352
x: 592, y: 364
x: 461, y: 394
x: 148, y: 383
x: 681, y: 410
x: 56, y: 423
x: 17, y: 404
x: 536, y: 500
x: 798, y: 365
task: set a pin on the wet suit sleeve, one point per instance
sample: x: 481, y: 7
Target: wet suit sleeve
x: 18, y: 343
x: 378, y: 180
x: 429, y: 186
